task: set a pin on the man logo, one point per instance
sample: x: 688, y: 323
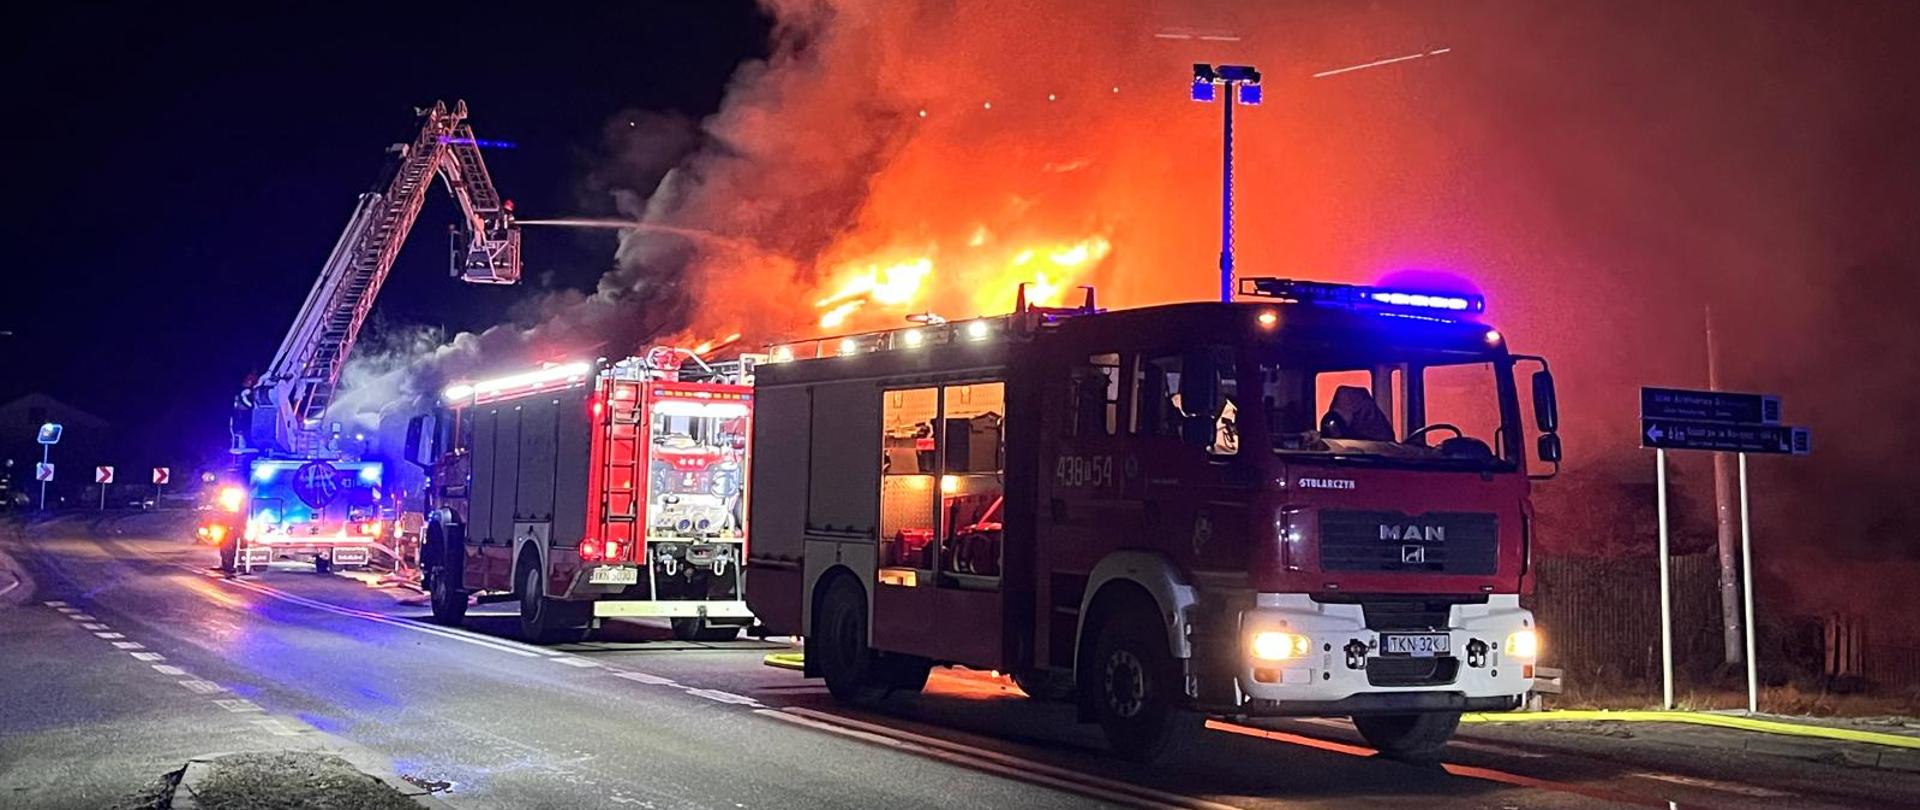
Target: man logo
x: 1413, y: 555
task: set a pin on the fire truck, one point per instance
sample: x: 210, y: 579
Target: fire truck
x: 1312, y: 501
x: 304, y: 493
x: 592, y: 491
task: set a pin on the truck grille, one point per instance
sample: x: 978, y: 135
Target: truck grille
x: 1399, y: 671
x: 1433, y: 543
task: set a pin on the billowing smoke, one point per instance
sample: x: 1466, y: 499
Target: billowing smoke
x: 1603, y: 172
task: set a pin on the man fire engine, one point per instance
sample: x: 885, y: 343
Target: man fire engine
x: 592, y: 491
x: 1313, y: 501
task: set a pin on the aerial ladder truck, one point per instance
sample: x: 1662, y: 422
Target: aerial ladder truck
x: 298, y: 494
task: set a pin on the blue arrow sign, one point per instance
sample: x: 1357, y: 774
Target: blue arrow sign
x: 1684, y: 434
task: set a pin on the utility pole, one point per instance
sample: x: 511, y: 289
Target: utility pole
x: 1723, y: 508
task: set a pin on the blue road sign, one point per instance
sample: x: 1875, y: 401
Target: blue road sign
x: 49, y: 433
x: 1709, y: 406
x: 1684, y: 434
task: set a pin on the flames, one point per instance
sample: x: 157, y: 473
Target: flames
x: 979, y: 278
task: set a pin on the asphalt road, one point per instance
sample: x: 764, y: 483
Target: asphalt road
x: 121, y: 656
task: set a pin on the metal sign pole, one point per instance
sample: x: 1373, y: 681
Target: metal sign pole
x: 103, y: 496
x: 43, y: 482
x: 1746, y: 562
x: 1666, y: 606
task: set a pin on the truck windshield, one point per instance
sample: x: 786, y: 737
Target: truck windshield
x: 1420, y: 410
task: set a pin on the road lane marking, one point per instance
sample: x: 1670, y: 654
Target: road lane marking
x: 128, y: 645
x: 1714, y: 784
x: 202, y: 687
x: 94, y: 626
x: 81, y: 617
x: 238, y: 705
x: 54, y: 603
x: 574, y: 661
x: 169, y: 669
x: 983, y: 759
x: 718, y: 696
x: 63, y: 608
x: 283, y: 596
x: 642, y: 677
x: 148, y: 657
x: 110, y: 635
x: 1467, y: 771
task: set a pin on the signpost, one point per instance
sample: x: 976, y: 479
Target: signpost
x: 48, y: 436
x: 160, y: 477
x: 103, y: 475
x: 1720, y: 422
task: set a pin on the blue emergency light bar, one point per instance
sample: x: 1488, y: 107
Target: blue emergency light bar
x: 1357, y: 295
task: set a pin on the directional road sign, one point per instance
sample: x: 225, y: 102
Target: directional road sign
x: 103, y: 475
x: 1709, y: 406
x: 43, y: 472
x: 49, y: 433
x: 1684, y: 434
x: 160, y: 476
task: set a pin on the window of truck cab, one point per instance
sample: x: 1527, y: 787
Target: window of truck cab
x: 1392, y: 406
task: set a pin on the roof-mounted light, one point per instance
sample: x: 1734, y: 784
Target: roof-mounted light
x: 524, y: 382
x: 1357, y: 295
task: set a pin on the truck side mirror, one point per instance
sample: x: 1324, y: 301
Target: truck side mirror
x: 1549, y: 448
x: 417, y: 445
x: 1546, y: 408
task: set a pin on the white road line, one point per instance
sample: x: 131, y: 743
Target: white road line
x: 81, y: 617
x: 574, y: 661
x: 198, y: 686
x: 128, y: 645
x: 148, y: 657
x: 442, y: 632
x: 992, y: 761
x: 55, y: 603
x: 110, y: 635
x: 642, y: 677
x: 169, y: 669
x: 718, y: 696
x: 94, y: 626
x: 63, y: 608
x: 1714, y: 784
x: 237, y: 705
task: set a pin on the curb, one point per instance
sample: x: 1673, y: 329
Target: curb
x: 186, y: 788
x: 1701, y: 719
x: 793, y: 661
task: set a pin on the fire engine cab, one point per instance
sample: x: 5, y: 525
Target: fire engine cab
x: 1312, y: 501
x: 591, y: 491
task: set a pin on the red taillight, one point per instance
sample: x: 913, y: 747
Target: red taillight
x: 589, y: 550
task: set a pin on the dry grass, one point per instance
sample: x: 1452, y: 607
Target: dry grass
x: 1791, y: 700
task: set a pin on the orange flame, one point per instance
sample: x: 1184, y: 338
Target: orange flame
x: 978, y: 278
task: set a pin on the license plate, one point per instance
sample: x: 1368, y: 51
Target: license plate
x: 614, y: 575
x: 1421, y: 645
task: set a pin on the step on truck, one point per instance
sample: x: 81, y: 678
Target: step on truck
x: 589, y: 491
x: 1312, y: 501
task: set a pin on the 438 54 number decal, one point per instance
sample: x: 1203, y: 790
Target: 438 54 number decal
x: 1084, y: 471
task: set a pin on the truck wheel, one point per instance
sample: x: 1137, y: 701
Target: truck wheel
x: 1408, y: 737
x: 695, y: 628
x: 322, y: 565
x: 1133, y: 686
x: 449, y: 602
x: 228, y: 551
x: 839, y: 639
x: 1053, y: 687
x: 544, y: 620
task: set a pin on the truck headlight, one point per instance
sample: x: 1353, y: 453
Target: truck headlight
x: 1524, y: 644
x: 1278, y: 646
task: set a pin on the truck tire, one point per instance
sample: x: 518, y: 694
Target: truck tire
x: 839, y: 639
x: 695, y: 628
x: 229, y: 551
x: 1133, y: 685
x: 443, y: 592
x: 548, y: 621
x: 1408, y: 737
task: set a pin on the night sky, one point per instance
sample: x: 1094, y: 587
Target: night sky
x: 176, y: 180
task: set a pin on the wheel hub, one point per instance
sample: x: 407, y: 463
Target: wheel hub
x: 1126, y: 683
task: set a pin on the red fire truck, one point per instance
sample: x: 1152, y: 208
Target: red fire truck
x: 1313, y: 501
x: 589, y: 491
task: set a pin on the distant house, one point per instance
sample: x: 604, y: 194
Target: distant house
x: 84, y: 442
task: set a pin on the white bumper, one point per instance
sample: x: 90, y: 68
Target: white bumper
x: 1338, y: 632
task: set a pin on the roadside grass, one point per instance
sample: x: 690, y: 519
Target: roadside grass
x: 1887, y: 707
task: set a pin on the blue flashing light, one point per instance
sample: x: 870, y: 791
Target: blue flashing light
x: 1355, y: 295
x: 1202, y: 90
x: 370, y: 475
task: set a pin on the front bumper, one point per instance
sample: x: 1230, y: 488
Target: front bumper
x: 1346, y: 672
